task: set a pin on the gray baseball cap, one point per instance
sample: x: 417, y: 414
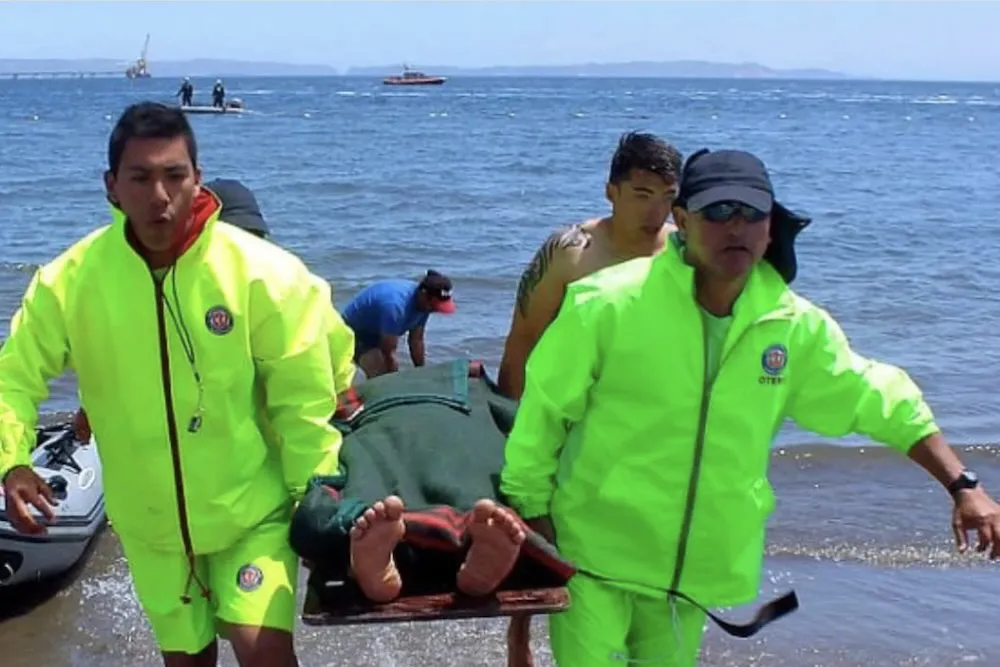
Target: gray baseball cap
x: 239, y: 206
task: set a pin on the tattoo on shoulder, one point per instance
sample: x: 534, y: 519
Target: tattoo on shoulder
x: 574, y: 237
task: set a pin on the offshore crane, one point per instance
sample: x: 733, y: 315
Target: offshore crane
x: 139, y: 70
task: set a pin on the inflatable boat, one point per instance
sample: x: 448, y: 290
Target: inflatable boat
x: 234, y: 106
x: 210, y: 111
x: 73, y: 470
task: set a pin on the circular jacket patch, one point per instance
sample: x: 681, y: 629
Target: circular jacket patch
x: 219, y: 320
x: 774, y: 359
x: 249, y: 578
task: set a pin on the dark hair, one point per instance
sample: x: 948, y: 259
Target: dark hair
x: 434, y: 282
x: 642, y: 150
x: 149, y: 120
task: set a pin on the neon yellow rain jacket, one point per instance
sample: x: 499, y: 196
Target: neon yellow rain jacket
x: 341, y: 339
x: 656, y: 478
x: 167, y: 373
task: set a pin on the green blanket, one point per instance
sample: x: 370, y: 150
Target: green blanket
x: 434, y: 436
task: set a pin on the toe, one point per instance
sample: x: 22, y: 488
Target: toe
x: 483, y: 510
x: 513, y: 527
x: 393, y: 507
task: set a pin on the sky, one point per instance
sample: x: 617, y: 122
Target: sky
x: 954, y: 41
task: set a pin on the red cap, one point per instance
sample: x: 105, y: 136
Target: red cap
x: 444, y: 305
x: 438, y: 290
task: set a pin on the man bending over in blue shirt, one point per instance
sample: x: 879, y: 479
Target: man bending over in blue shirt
x: 387, y: 309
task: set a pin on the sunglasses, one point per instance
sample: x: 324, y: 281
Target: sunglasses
x: 725, y: 211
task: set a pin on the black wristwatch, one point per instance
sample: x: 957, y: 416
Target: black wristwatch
x: 967, y: 480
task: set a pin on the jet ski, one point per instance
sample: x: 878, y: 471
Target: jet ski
x: 73, y: 471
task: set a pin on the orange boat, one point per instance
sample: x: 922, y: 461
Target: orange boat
x: 411, y: 77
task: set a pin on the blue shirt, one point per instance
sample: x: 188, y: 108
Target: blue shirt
x: 384, y: 308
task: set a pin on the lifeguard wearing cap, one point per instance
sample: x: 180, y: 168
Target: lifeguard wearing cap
x: 716, y: 178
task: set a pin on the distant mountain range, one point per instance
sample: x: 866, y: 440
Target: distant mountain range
x: 209, y: 67
x: 680, y: 69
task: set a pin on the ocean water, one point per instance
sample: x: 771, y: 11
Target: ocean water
x: 366, y: 182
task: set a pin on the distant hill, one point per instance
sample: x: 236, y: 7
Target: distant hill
x: 686, y: 69
x: 217, y: 67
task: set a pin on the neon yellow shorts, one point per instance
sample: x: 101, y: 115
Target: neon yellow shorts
x: 606, y: 625
x: 252, y: 583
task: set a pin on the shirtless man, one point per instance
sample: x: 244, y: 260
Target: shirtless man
x: 641, y: 187
x: 495, y: 541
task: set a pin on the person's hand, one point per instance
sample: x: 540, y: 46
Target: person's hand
x: 23, y: 487
x: 975, y: 510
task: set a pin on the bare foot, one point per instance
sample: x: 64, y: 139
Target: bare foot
x: 374, y: 536
x: 496, y: 541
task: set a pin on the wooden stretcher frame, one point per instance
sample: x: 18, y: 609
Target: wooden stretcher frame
x: 440, y: 607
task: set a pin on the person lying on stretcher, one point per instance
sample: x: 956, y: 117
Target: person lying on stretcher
x: 415, y: 509
x: 495, y: 536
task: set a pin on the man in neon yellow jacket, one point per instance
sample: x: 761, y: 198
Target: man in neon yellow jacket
x: 171, y: 322
x: 642, y: 439
x: 239, y: 207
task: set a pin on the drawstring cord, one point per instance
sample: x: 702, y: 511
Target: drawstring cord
x: 194, y: 578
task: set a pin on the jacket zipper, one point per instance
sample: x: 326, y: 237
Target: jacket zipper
x: 699, y: 447
x: 175, y: 450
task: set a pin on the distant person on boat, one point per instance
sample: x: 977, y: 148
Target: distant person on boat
x: 186, y: 92
x: 388, y: 309
x: 642, y: 440
x: 641, y: 187
x: 219, y: 94
x: 177, y: 327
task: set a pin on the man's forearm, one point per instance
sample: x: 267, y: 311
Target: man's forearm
x: 936, y: 456
x: 417, y: 354
x: 511, y: 379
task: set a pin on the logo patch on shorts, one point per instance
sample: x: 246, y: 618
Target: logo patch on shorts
x: 219, y: 320
x: 249, y: 578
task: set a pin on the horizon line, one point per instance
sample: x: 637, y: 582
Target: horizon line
x: 471, y: 71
